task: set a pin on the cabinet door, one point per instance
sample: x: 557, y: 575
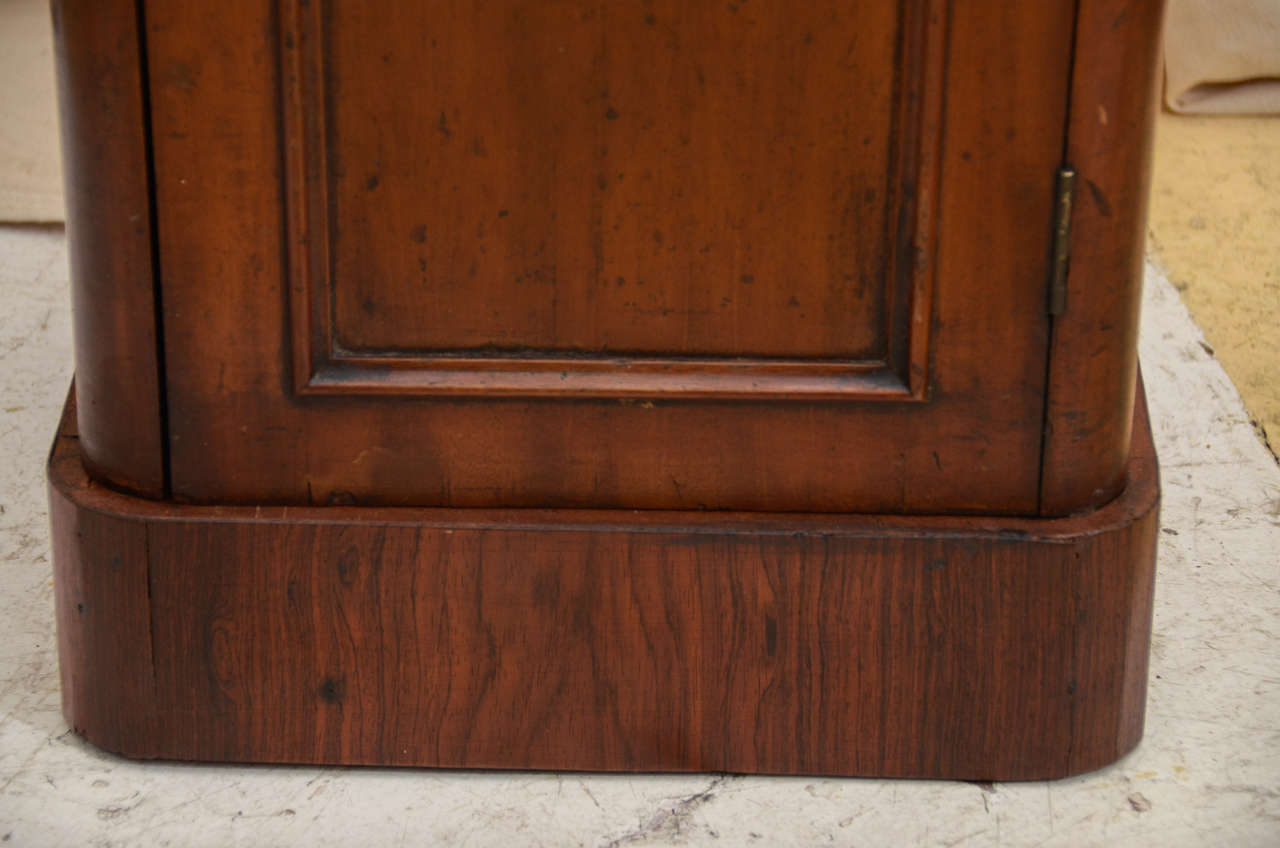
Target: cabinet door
x: 643, y: 253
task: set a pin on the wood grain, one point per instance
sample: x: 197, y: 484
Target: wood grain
x: 963, y: 437
x: 622, y: 179
x: 1093, y: 359
x: 980, y: 648
x: 104, y: 151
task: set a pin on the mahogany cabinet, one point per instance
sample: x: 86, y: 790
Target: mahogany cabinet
x: 637, y: 385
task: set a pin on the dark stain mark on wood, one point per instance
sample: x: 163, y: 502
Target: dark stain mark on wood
x: 182, y: 76
x: 332, y: 690
x: 348, y: 566
x: 1099, y: 198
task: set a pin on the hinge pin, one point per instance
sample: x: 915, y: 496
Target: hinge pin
x: 1064, y: 197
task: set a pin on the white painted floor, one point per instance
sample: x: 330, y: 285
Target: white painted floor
x: 1208, y: 772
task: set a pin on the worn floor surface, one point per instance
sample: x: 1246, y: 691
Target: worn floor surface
x: 1215, y: 230
x: 1208, y: 772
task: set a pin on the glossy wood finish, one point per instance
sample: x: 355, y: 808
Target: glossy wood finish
x: 1093, y: 366
x: 958, y: 431
x: 102, y: 111
x: 865, y: 645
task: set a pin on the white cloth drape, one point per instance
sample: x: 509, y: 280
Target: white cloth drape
x: 1223, y: 56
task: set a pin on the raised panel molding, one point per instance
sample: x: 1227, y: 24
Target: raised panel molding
x: 323, y: 365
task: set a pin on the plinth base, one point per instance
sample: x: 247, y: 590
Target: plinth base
x: 944, y: 647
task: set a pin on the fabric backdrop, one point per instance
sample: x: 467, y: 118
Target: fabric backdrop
x: 30, y: 166
x: 1223, y: 56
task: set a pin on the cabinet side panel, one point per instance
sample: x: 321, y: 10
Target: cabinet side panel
x: 109, y: 232
x: 1093, y: 358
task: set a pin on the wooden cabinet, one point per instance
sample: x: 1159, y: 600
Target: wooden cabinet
x: 752, y: 268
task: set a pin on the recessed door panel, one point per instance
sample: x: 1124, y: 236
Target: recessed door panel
x: 565, y: 197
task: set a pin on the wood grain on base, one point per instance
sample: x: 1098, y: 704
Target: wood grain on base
x: 976, y: 648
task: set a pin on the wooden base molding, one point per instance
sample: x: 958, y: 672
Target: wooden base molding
x: 941, y: 647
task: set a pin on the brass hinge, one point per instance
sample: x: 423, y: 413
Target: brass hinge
x: 1063, y: 198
